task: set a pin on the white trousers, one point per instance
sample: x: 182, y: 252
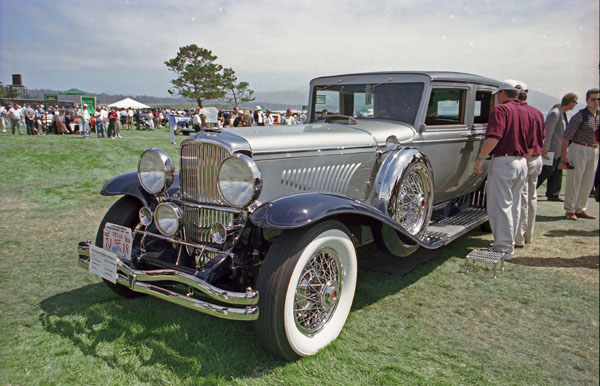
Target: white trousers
x: 172, y: 130
x: 581, y: 179
x: 529, y: 201
x: 506, y: 177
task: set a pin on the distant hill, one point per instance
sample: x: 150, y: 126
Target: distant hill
x: 541, y: 101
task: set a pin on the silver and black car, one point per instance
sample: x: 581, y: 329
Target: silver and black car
x: 261, y: 224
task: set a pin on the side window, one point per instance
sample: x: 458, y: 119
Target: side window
x: 483, y: 105
x: 446, y: 107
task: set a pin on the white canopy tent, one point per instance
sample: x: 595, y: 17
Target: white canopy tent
x: 127, y: 103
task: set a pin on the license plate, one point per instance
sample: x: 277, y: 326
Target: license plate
x: 103, y: 263
x: 118, y: 240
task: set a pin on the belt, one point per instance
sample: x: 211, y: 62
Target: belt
x: 586, y: 144
x: 506, y: 155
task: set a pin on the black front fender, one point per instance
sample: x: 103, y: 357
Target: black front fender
x: 128, y: 184
x: 302, y: 209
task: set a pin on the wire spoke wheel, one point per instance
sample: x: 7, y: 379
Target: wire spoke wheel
x: 412, y: 201
x: 306, y: 287
x: 318, y: 291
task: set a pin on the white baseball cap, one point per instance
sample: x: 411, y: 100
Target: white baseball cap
x: 508, y: 84
x: 523, y: 86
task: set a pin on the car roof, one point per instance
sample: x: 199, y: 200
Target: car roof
x: 443, y: 76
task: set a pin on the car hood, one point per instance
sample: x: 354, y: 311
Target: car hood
x: 321, y: 137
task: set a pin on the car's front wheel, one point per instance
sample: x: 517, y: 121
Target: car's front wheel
x: 124, y: 212
x: 306, y: 288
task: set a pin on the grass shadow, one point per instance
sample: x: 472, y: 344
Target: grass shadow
x: 541, y: 218
x: 590, y: 262
x: 373, y: 285
x: 572, y: 232
x: 135, y: 335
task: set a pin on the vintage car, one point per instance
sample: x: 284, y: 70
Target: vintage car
x: 262, y: 224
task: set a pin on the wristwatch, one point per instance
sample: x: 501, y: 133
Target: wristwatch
x: 479, y: 156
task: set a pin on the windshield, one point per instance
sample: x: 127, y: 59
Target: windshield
x: 393, y: 101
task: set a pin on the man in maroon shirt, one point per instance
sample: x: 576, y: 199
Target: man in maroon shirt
x: 113, y: 118
x: 507, y: 142
x: 534, y: 168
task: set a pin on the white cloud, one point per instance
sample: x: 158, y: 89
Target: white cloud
x: 282, y: 44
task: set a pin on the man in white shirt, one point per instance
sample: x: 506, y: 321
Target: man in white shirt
x: 288, y: 119
x: 268, y: 118
x: 3, y: 116
x: 15, y: 117
x: 85, y: 122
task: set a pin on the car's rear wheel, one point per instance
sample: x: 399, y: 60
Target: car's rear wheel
x: 124, y: 212
x: 306, y: 288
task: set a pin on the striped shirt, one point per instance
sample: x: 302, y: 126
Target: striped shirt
x: 583, y: 133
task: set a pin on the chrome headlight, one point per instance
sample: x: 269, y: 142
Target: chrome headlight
x: 167, y: 218
x: 155, y: 170
x: 240, y: 181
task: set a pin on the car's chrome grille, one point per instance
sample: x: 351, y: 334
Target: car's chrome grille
x: 199, y: 172
x: 198, y: 178
x: 198, y: 222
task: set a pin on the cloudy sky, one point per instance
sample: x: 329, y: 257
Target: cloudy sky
x: 120, y: 46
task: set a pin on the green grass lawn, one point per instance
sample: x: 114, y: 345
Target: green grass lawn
x: 536, y: 323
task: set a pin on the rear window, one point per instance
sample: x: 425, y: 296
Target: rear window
x: 446, y: 107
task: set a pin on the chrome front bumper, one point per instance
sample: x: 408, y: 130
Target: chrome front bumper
x: 140, y: 281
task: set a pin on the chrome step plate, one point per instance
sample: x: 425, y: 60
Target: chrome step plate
x: 451, y: 228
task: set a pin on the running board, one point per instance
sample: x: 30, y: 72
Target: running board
x: 451, y: 228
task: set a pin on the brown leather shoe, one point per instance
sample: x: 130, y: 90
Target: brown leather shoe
x: 557, y: 198
x: 571, y: 216
x: 585, y: 215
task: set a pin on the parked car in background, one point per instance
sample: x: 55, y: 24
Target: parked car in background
x: 262, y: 224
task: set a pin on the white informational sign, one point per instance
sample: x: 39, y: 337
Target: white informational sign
x: 548, y: 159
x: 118, y: 240
x: 211, y: 113
x: 103, y: 263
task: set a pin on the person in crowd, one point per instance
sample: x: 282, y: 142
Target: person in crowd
x: 259, y: 116
x: 556, y: 121
x: 85, y: 121
x: 196, y: 120
x: 3, y: 118
x: 30, y: 119
x: 123, y: 118
x: 268, y: 118
x: 98, y: 116
x: 203, y: 123
x: 534, y: 119
x: 150, y: 121
x: 39, y: 115
x: 14, y: 118
x: 113, y: 122
x: 155, y: 118
x: 583, y: 153
x: 172, y: 125
x: 288, y: 119
x: 220, y: 120
x: 246, y: 120
x: 129, y: 119
x: 69, y: 122
x: 507, y: 143
x: 237, y: 122
x: 61, y: 128
x: 324, y: 114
